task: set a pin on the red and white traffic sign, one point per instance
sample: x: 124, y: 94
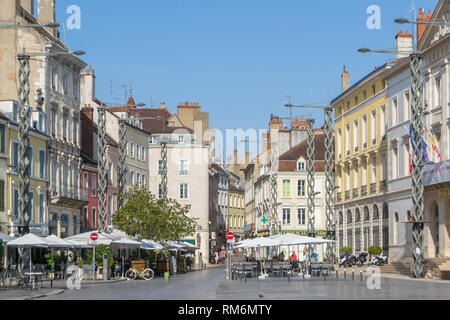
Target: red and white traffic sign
x: 230, y: 236
x: 94, y: 236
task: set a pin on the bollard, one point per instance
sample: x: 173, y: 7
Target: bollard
x: 353, y: 274
x: 337, y: 274
x: 324, y: 276
x: 245, y: 275
x: 345, y: 274
x: 361, y: 274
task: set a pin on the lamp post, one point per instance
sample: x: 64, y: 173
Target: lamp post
x: 329, y: 173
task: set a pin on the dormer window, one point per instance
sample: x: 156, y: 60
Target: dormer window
x: 301, y: 165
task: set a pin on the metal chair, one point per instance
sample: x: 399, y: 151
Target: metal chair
x: 276, y: 269
x: 286, y: 269
x: 315, y: 269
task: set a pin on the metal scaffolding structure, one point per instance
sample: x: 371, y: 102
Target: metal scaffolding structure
x: 102, y: 172
x: 417, y: 113
x: 122, y: 167
x: 274, y: 161
x: 311, y: 186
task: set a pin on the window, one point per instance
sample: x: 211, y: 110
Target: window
x: 132, y: 149
x: 30, y: 156
x: 94, y: 218
x: 16, y: 204
x: 406, y: 160
x: 394, y: 111
x: 184, y: 192
x: 15, y: 151
x: 143, y: 180
x: 301, y: 165
x: 364, y: 132
x: 374, y: 127
x: 356, y: 136
x: 301, y: 216
x: 339, y: 144
x: 383, y: 123
x: 356, y: 101
x: 31, y: 207
x: 286, y: 188
x: 374, y: 89
x: 2, y: 138
x: 406, y: 107
x: 437, y: 98
x: 347, y: 140
x: 374, y: 170
x: 41, y: 208
x: 144, y: 150
x: 65, y: 81
x: 75, y: 225
x: 85, y: 181
x: 138, y: 152
x: 355, y: 176
x: 64, y: 125
x: 286, y: 216
x: 42, y: 164
x: 348, y: 105
x: 394, y: 162
x: 94, y: 185
x: 184, y: 168
x: 2, y: 195
x: 301, y: 188
x: 383, y: 83
x: 365, y: 95
x: 53, y: 79
x: 132, y: 178
x: 15, y: 112
x: 75, y: 131
x: 138, y: 178
x: 53, y: 123
x: 75, y: 90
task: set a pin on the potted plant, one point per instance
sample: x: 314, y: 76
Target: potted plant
x: 375, y: 251
x: 346, y: 250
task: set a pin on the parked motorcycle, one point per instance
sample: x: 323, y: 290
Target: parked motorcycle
x: 345, y: 260
x: 378, y: 261
x: 362, y: 258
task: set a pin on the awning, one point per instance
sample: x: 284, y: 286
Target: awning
x: 436, y: 173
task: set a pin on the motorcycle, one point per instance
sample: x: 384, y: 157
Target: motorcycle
x: 378, y: 261
x: 362, y: 258
x: 345, y: 260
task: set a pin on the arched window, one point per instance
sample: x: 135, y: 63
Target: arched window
x: 396, y: 239
x: 349, y: 217
x: 341, y: 218
x: 357, y: 215
x: 366, y: 214
x: 376, y: 215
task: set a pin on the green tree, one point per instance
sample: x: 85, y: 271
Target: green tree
x: 161, y: 220
x: 99, y: 252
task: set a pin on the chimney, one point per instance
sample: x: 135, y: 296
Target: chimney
x: 47, y: 14
x: 87, y: 133
x: 275, y: 122
x: 28, y: 5
x: 422, y: 27
x: 162, y: 105
x: 248, y: 156
x: 235, y: 160
x: 404, y: 43
x: 345, y: 80
x: 87, y: 86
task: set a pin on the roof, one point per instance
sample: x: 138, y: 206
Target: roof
x: 357, y: 83
x: 157, y: 125
x: 288, y: 160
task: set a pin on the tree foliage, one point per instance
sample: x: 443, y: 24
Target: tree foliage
x: 145, y: 217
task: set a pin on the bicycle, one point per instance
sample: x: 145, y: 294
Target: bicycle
x: 146, y: 274
x: 431, y: 271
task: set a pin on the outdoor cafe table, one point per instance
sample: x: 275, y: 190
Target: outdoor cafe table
x: 34, y: 276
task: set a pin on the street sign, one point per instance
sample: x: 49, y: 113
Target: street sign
x: 230, y: 236
x: 94, y: 236
x: 264, y: 220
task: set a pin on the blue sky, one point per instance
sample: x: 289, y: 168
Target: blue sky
x: 238, y: 58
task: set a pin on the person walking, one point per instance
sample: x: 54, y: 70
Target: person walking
x: 216, y: 257
x: 222, y: 256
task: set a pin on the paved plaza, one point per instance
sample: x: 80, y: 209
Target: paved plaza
x: 211, y: 285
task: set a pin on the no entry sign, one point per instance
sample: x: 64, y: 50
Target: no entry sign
x: 230, y: 236
x: 94, y: 236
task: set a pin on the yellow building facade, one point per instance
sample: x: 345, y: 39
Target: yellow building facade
x: 361, y: 114
x: 38, y: 181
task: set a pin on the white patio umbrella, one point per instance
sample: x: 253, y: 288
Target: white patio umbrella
x: 5, y: 238
x: 28, y: 241
x: 55, y: 242
x: 151, y: 245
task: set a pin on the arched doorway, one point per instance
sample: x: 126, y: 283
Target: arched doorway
x: 436, y: 230
x: 357, y: 231
x: 349, y: 229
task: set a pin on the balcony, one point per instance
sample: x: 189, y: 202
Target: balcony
x: 355, y: 193
x: 373, y: 188
x: 356, y: 149
x: 339, y: 197
x: 69, y: 197
x: 364, y: 191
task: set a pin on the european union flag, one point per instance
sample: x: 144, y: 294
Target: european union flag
x: 424, y: 146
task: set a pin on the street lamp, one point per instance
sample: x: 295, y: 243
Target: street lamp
x: 17, y: 26
x: 437, y: 23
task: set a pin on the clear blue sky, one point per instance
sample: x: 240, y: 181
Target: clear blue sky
x: 237, y: 58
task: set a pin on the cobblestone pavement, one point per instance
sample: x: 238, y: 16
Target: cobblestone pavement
x: 210, y: 285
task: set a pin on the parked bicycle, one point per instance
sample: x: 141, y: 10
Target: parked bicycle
x: 146, y: 274
x: 431, y: 271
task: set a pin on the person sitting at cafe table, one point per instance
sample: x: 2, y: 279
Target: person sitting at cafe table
x: 294, y: 257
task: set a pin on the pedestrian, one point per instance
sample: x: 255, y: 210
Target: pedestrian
x: 216, y: 257
x: 222, y: 256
